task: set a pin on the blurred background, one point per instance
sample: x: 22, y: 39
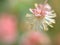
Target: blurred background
x: 20, y: 7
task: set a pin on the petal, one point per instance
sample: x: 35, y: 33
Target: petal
x: 48, y: 24
x: 45, y: 26
x: 34, y: 11
x: 50, y: 20
x: 31, y: 10
x: 36, y: 5
x: 47, y: 6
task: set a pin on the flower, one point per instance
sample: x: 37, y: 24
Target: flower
x: 8, y: 28
x: 35, y: 38
x: 40, y: 10
x: 41, y: 17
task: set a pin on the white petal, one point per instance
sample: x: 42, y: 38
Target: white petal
x: 36, y: 5
x: 45, y: 26
x: 41, y: 26
x: 51, y: 16
x: 51, y: 20
x: 48, y: 24
x: 31, y: 10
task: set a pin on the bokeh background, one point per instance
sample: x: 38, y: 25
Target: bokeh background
x: 20, y: 7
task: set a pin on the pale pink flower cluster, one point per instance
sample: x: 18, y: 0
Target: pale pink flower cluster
x: 41, y: 9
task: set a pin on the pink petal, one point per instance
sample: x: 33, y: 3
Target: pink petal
x: 47, y: 7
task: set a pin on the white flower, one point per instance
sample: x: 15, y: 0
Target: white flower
x: 42, y: 17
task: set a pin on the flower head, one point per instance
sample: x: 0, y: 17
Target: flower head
x: 41, y: 17
x: 41, y: 10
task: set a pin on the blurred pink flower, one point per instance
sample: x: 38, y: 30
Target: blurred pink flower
x: 35, y: 38
x: 8, y: 28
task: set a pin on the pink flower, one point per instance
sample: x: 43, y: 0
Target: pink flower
x: 41, y: 9
x: 35, y: 38
x: 42, y: 16
x: 8, y: 28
